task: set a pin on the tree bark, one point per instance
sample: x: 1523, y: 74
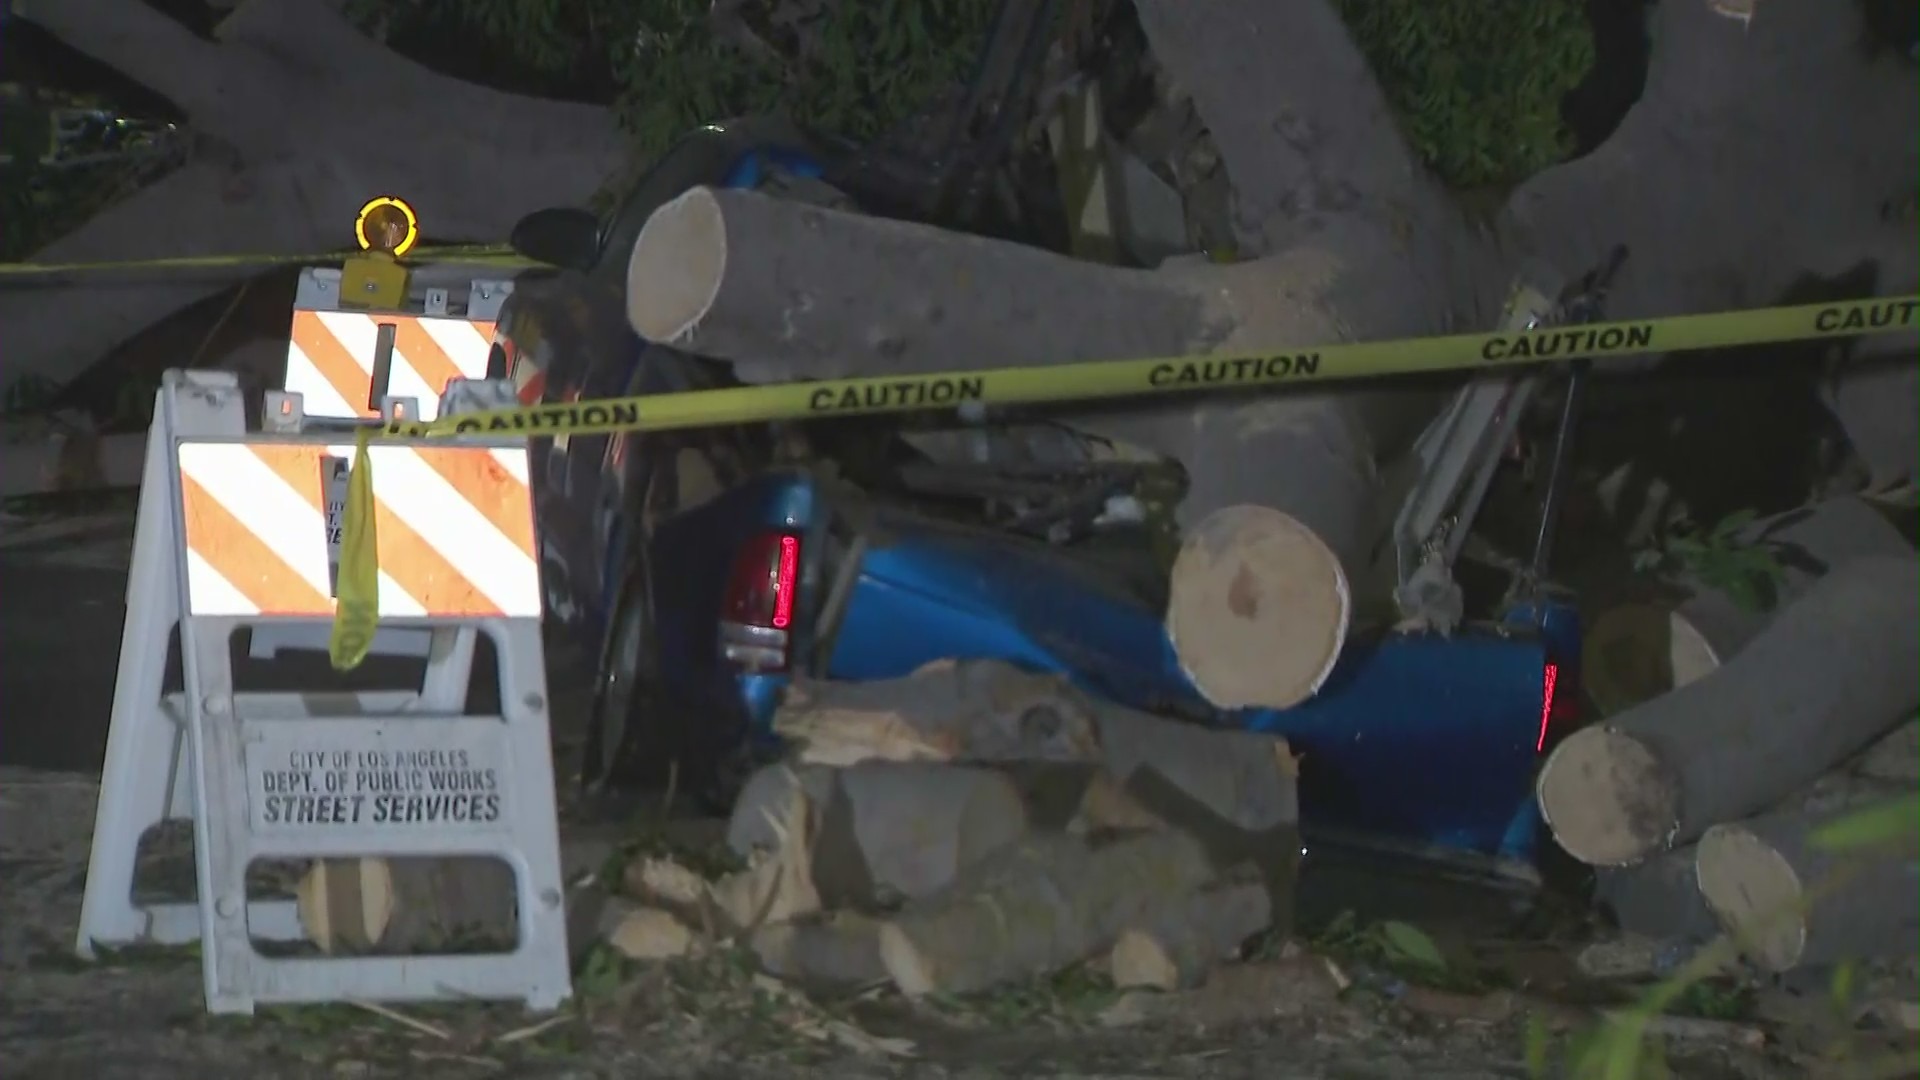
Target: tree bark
x: 1671, y: 644
x: 1185, y: 942
x: 888, y: 830
x: 1830, y: 675
x: 57, y: 328
x: 1658, y: 898
x: 1799, y: 906
x: 301, y: 120
x: 841, y: 949
x: 1035, y: 908
x: 948, y: 710
x: 1759, y: 154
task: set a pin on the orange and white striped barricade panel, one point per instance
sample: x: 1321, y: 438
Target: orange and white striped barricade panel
x: 231, y: 535
x: 343, y: 361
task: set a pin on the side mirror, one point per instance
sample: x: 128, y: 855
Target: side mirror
x: 559, y: 236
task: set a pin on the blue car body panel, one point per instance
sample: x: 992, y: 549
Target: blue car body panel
x: 1417, y: 738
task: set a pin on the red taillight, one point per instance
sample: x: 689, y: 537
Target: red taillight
x: 757, y: 612
x: 1549, y: 682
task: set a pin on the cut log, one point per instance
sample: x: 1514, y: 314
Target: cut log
x: 777, y: 884
x: 1037, y: 907
x: 1793, y: 905
x: 1658, y: 899
x: 786, y: 291
x: 665, y: 881
x: 416, y: 905
x: 1176, y: 951
x: 1831, y: 674
x: 1244, y: 779
x: 1258, y: 609
x: 645, y: 933
x: 1106, y: 806
x: 700, y: 277
x: 888, y: 830
x: 1638, y: 652
x: 971, y: 710
x: 840, y: 949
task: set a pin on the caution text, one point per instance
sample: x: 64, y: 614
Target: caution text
x: 1880, y: 315
x: 1573, y: 341
x: 896, y: 394
x: 1245, y: 369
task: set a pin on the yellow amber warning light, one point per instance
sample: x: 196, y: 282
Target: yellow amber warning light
x: 387, y: 225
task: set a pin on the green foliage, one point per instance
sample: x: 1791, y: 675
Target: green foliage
x: 1748, y: 572
x: 852, y: 68
x: 1477, y: 84
x: 1399, y: 946
x: 51, y: 183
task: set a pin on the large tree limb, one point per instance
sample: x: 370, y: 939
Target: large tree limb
x: 317, y: 119
x: 1757, y: 153
x: 201, y: 209
x: 138, y: 41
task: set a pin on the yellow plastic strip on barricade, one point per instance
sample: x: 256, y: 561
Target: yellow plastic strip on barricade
x: 1127, y: 378
x: 356, y: 610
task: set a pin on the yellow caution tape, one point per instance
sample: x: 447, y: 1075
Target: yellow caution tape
x: 1175, y: 374
x: 1128, y: 378
x: 489, y: 255
x: 356, y: 614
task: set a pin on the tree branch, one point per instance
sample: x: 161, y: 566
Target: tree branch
x: 188, y: 212
x: 1296, y: 112
x: 138, y: 41
x: 1758, y: 154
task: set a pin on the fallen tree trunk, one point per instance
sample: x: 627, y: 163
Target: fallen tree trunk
x: 299, y: 120
x: 786, y: 290
x: 1792, y: 904
x: 1258, y: 609
x: 887, y: 830
x: 1831, y: 674
x: 1644, y: 650
x: 1185, y: 942
x: 1036, y: 907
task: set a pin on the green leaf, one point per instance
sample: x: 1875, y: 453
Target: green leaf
x: 1886, y: 824
x: 1734, y: 522
x: 1410, y: 943
x: 1840, y: 991
x: 1538, y: 1044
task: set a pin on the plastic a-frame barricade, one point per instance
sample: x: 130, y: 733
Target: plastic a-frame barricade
x: 231, y: 534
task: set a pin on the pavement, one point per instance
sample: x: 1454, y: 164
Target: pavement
x: 60, y: 621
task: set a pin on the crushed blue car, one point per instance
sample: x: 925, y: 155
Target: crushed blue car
x: 700, y: 572
x: 1420, y: 740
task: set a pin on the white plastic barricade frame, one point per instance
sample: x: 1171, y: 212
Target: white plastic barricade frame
x: 231, y: 534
